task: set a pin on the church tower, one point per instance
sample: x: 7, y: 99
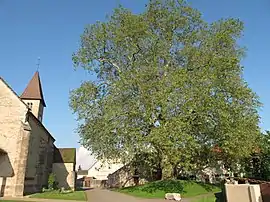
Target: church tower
x: 33, y: 96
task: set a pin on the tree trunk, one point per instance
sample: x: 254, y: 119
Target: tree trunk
x: 159, y: 174
x: 174, y: 173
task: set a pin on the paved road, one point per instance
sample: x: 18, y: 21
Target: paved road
x: 102, y: 195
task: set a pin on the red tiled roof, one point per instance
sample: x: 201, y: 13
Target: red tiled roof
x: 33, y: 91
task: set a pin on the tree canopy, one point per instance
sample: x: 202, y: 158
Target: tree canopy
x: 257, y: 165
x: 168, y: 84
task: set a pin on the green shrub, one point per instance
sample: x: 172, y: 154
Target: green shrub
x: 51, y: 181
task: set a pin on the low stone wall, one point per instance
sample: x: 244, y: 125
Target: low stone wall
x: 124, y: 177
x: 243, y: 192
x: 265, y: 191
x: 121, y: 178
x: 31, y: 188
x: 264, y: 185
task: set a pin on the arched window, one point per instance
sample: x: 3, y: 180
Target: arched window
x: 30, y: 105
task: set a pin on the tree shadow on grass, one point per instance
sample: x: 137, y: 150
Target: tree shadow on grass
x: 220, y: 197
x: 83, y: 188
x: 208, y: 187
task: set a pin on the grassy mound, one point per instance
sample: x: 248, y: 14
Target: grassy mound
x: 159, y: 188
x: 76, y: 195
x: 211, y: 198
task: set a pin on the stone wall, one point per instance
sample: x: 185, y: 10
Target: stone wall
x: 50, y: 154
x: 39, y: 161
x: 123, y: 177
x: 65, y: 175
x: 12, y: 136
x: 22, y: 160
x: 243, y: 192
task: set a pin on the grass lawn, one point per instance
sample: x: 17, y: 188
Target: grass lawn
x: 76, y: 195
x: 159, y: 188
x: 11, y: 201
x: 205, y: 199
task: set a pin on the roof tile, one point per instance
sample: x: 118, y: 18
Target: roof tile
x: 33, y: 91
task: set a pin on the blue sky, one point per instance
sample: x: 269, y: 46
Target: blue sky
x: 51, y: 30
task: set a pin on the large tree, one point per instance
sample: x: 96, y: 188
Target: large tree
x: 168, y: 84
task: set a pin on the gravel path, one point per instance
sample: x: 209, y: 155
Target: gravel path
x: 102, y: 195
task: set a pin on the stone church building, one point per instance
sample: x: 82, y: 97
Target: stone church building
x: 27, y: 151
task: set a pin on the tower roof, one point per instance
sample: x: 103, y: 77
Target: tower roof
x: 33, y: 91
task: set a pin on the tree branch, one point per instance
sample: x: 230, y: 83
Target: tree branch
x: 134, y: 54
x: 112, y: 63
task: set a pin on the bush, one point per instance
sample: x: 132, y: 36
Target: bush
x: 51, y: 182
x: 44, y: 189
x: 64, y: 191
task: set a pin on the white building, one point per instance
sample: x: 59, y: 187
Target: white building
x: 100, y: 170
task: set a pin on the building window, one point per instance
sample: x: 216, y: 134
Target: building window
x: 30, y: 105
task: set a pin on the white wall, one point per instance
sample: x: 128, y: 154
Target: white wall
x: 101, y: 170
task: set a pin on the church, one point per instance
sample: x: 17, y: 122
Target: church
x: 28, y: 154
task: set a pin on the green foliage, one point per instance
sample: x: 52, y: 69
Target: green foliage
x: 51, y: 181
x: 258, y: 164
x: 147, y: 166
x: 158, y: 189
x: 168, y: 84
